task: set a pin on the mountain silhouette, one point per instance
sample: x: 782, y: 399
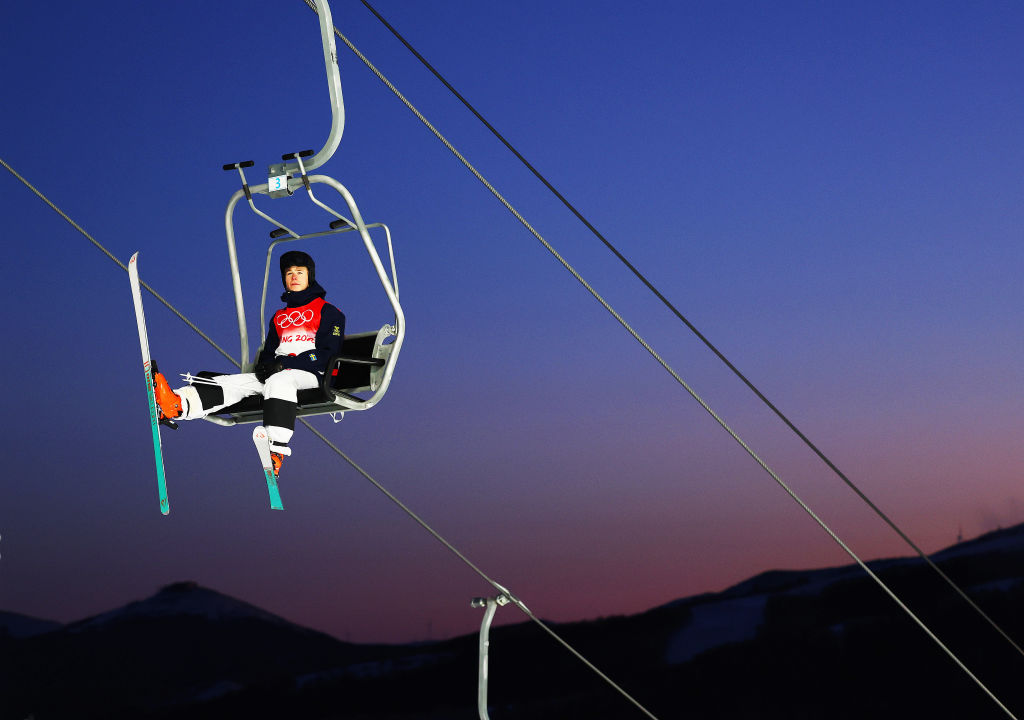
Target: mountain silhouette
x: 184, y: 644
x: 783, y: 644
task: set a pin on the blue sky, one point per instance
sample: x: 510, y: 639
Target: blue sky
x: 831, y: 194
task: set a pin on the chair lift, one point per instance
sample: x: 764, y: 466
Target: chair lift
x: 368, y: 359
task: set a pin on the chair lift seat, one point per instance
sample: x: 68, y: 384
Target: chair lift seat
x: 352, y: 371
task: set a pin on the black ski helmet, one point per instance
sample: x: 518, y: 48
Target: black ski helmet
x: 297, y: 258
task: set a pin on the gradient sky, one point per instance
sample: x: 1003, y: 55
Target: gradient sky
x: 831, y: 194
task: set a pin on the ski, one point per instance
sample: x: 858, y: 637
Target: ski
x: 148, y: 369
x: 262, y: 443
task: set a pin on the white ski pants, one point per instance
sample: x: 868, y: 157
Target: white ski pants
x: 281, y: 390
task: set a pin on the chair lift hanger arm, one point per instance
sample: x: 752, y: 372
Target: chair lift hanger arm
x: 323, y: 11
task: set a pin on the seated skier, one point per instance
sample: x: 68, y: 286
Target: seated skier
x: 301, y: 338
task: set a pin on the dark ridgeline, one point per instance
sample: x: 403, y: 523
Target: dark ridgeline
x: 785, y: 644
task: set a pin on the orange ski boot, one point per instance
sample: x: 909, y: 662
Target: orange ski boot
x: 167, y: 399
x: 276, y: 459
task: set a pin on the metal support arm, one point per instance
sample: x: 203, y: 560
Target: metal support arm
x: 490, y: 605
x: 323, y: 11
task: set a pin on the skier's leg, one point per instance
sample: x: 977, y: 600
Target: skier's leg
x: 281, y: 399
x: 204, y: 398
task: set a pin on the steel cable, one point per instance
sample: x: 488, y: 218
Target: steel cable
x: 662, y: 362
x: 693, y: 328
x: 405, y: 508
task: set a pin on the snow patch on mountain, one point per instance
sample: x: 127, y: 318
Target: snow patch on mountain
x: 735, y: 614
x: 374, y: 669
x: 716, y: 623
x: 217, y: 690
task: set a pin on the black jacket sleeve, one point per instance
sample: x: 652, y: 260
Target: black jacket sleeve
x: 269, y: 345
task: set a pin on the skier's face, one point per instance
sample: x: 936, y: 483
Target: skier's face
x: 296, y: 278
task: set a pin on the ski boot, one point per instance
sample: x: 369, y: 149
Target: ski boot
x: 276, y: 459
x: 166, y: 399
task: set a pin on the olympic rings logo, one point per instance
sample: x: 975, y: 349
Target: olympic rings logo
x: 295, y: 317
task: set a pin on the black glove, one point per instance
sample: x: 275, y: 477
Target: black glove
x: 264, y: 370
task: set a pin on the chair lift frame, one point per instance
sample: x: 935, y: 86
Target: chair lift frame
x: 295, y: 174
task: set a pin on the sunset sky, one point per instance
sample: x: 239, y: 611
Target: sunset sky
x: 831, y: 194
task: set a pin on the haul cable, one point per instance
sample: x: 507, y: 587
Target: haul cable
x: 693, y: 328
